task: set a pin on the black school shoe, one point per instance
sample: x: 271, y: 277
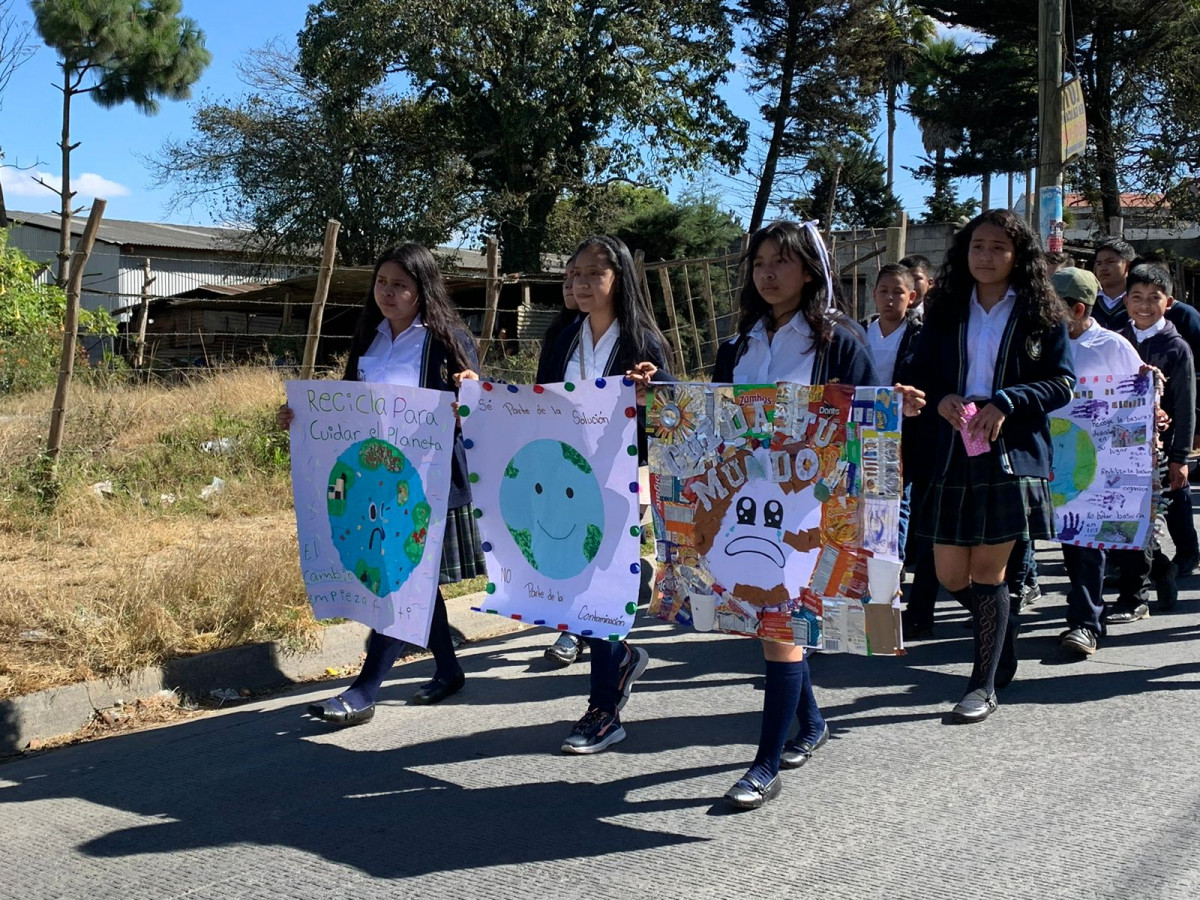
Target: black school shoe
x: 975, y: 707
x: 336, y: 711
x: 1124, y: 612
x: 749, y: 793
x: 797, y: 753
x: 1079, y: 640
x: 437, y: 690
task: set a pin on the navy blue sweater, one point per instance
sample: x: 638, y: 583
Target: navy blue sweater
x: 552, y: 366
x: 1034, y: 376
x: 436, y: 375
x: 845, y: 358
x: 1168, y: 352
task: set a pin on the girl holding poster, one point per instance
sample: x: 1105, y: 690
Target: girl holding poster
x: 410, y: 333
x: 616, y: 336
x: 995, y: 360
x: 791, y: 329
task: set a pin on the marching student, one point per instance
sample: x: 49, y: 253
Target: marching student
x: 994, y: 342
x: 616, y: 336
x: 790, y: 329
x: 1095, y: 351
x: 1159, y: 344
x: 566, y: 649
x: 890, y: 339
x: 922, y: 273
x: 410, y: 333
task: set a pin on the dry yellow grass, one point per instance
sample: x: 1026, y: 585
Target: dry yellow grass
x: 97, y: 585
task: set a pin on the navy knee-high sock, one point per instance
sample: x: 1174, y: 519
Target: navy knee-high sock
x: 441, y: 643
x: 382, y: 653
x: 991, y: 622
x: 808, y: 714
x: 780, y: 699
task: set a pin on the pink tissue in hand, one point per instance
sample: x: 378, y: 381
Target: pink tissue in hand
x: 975, y: 444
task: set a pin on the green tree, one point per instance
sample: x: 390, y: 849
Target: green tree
x: 1139, y: 66
x: 904, y: 31
x: 541, y: 97
x: 31, y: 323
x: 820, y: 65
x: 647, y: 220
x: 290, y: 155
x: 932, y: 101
x: 117, y: 51
x: 851, y: 180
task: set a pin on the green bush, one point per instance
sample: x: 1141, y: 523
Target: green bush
x: 31, y: 324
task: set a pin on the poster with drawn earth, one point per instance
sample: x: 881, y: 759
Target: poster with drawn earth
x: 776, y: 512
x: 554, y: 482
x: 1102, y: 474
x: 370, y: 477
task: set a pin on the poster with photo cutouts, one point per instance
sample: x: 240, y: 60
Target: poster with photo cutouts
x: 554, y: 481
x: 370, y: 478
x: 1102, y: 475
x: 776, y: 512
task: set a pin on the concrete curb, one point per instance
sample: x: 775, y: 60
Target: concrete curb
x: 255, y: 667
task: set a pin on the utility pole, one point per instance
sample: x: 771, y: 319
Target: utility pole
x: 1048, y: 212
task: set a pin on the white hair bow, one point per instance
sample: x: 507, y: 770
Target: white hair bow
x: 826, y: 262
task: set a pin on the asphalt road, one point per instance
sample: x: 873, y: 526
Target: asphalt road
x: 1084, y: 784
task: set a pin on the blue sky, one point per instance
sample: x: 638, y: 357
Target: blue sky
x: 108, y: 161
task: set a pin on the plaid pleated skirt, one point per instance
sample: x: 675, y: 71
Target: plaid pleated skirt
x: 462, y: 555
x: 977, y: 502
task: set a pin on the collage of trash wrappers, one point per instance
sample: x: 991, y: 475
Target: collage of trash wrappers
x: 776, y: 512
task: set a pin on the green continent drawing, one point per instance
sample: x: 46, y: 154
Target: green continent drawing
x: 552, y: 505
x: 1075, y: 461
x: 378, y: 514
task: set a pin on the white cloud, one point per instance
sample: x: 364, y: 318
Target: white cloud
x: 24, y: 183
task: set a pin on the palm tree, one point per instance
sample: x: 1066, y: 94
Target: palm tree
x: 931, y: 82
x: 905, y: 31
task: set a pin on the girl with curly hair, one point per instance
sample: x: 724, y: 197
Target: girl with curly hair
x: 994, y: 360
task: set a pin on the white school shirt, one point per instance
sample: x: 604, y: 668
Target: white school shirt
x: 984, y: 333
x: 590, y: 360
x: 1099, y: 351
x: 788, y: 357
x: 394, y: 360
x: 885, y: 349
x: 1142, y: 334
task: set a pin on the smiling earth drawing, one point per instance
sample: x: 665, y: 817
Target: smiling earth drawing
x: 377, y: 504
x: 551, y: 503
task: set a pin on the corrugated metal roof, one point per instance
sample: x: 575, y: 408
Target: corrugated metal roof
x: 122, y: 232
x: 143, y: 234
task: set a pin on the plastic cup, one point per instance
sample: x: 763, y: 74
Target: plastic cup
x: 704, y: 611
x: 883, y: 579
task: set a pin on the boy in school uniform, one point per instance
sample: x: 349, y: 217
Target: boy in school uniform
x: 1159, y: 344
x: 922, y: 273
x: 1096, y: 351
x: 891, y: 330
x: 1114, y: 260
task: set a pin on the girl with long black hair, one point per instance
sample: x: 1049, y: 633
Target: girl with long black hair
x: 410, y: 333
x: 791, y: 329
x: 616, y: 336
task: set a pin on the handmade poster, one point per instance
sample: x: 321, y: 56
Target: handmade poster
x: 553, y: 471
x: 776, y: 512
x: 1102, y: 476
x: 370, y: 476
